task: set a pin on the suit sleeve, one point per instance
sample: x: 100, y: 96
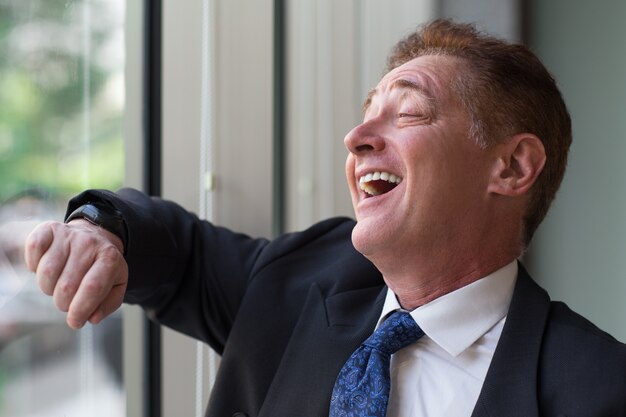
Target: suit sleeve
x: 186, y: 273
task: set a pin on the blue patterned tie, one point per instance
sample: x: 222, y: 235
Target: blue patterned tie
x: 362, y: 386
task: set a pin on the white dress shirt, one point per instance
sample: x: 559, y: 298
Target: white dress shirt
x: 442, y: 373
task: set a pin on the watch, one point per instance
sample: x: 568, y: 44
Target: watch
x: 103, y: 215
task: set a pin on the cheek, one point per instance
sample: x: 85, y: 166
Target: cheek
x: 350, y: 177
x: 349, y: 163
x: 350, y: 170
x: 463, y: 182
x: 440, y: 179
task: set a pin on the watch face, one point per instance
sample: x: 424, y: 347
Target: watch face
x: 104, y: 216
x: 92, y: 213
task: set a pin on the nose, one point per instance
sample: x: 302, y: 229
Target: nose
x: 364, y: 138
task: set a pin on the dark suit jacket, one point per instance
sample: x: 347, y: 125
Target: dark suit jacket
x: 285, y: 315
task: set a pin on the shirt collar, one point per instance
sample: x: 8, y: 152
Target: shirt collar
x: 458, y: 319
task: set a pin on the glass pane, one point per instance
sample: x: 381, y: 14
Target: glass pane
x: 61, y: 110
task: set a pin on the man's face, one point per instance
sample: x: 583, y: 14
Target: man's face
x: 417, y: 181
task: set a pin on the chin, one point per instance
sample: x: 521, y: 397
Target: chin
x: 365, y: 241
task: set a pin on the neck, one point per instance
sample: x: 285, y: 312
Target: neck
x: 416, y: 283
x: 412, y: 294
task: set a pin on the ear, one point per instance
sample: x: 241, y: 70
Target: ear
x: 519, y: 161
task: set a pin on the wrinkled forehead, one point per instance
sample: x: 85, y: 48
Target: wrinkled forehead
x: 429, y: 76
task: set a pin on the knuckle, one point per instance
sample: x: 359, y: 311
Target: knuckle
x: 37, y: 237
x: 111, y: 254
x: 52, y: 229
x: 48, y: 272
x: 66, y: 289
x: 38, y: 242
x: 43, y: 227
x: 94, y: 286
x: 33, y: 243
x: 54, y: 225
x: 85, y: 239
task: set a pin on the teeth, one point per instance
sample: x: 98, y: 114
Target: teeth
x: 374, y: 176
x: 380, y: 175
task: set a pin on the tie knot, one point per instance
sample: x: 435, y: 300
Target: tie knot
x: 395, y: 333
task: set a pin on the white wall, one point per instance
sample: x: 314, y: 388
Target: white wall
x: 579, y: 251
x: 336, y: 53
x: 238, y: 105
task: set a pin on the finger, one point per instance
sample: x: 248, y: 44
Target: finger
x: 108, y: 270
x: 111, y: 303
x: 80, y: 259
x: 51, y: 265
x: 37, y: 243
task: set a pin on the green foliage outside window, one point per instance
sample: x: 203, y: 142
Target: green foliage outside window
x: 61, y: 97
x: 61, y: 118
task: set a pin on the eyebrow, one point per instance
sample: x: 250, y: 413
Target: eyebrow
x: 400, y: 84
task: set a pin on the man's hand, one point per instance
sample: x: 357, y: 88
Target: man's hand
x: 81, y: 266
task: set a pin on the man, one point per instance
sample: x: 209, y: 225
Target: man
x: 463, y: 146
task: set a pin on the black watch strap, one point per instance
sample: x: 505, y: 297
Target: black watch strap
x: 104, y: 216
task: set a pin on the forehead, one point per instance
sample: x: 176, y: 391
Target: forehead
x: 428, y: 75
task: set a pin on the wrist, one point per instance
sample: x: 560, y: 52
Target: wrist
x: 104, y: 216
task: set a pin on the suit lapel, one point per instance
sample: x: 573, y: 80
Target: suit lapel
x: 510, y: 387
x: 328, y: 331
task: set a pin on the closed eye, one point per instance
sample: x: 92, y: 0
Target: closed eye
x: 412, y: 116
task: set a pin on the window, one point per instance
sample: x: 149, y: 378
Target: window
x: 61, y: 113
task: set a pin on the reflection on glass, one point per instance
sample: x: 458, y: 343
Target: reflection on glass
x: 61, y: 108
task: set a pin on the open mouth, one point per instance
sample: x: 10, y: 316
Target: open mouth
x: 379, y: 182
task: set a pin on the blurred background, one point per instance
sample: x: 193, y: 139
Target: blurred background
x: 61, y: 130
x: 237, y: 110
